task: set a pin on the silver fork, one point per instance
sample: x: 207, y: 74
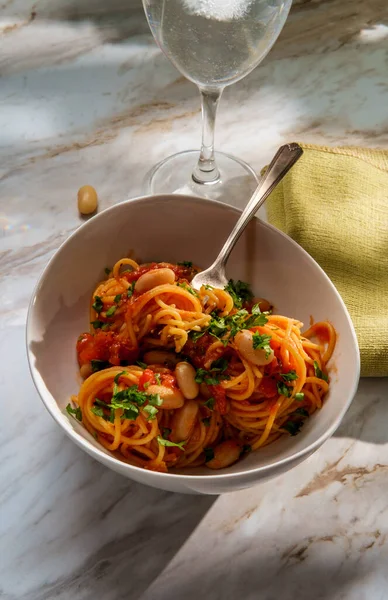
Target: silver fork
x: 281, y: 163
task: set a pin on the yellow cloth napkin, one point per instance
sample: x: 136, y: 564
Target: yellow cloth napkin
x: 334, y: 203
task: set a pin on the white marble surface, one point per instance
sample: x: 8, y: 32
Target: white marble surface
x: 86, y: 97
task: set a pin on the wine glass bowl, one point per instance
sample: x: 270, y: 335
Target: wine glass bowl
x: 213, y: 43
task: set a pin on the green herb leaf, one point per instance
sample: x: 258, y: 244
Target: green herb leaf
x: 209, y: 454
x: 258, y: 319
x: 98, y: 365
x: 107, y: 270
x: 185, y: 263
x: 301, y: 411
x: 262, y: 342
x: 293, y: 427
x: 208, y: 287
x: 283, y: 389
x: 319, y: 373
x: 289, y: 376
x: 246, y: 448
x: 117, y: 298
x: 211, y: 377
x: 299, y: 396
x: 152, y: 412
x: 117, y: 377
x: 210, y: 403
x: 221, y: 364
x: 155, y: 400
x: 141, y: 364
x: 111, y: 311
x: 74, y: 412
x: 97, y: 411
x: 240, y: 292
x: 186, y: 287
x: 163, y: 442
x: 131, y: 289
x: 166, y: 431
x: 195, y: 335
x: 112, y: 415
x: 105, y: 327
x: 131, y: 412
x: 98, y: 304
x: 206, y: 421
x: 97, y: 324
x: 157, y: 377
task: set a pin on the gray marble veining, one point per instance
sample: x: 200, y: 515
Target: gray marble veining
x: 87, y: 97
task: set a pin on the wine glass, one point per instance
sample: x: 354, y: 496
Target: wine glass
x: 213, y: 43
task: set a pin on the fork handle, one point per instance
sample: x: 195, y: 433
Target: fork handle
x: 281, y: 163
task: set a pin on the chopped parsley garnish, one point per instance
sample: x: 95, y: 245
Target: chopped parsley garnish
x: 117, y: 298
x: 97, y: 324
x: 206, y: 421
x: 105, y: 327
x: 210, y: 403
x: 111, y: 311
x: 215, y: 374
x: 98, y: 411
x: 98, y: 304
x: 164, y: 442
x: 107, y: 270
x: 261, y: 342
x: 141, y: 364
x: 225, y: 328
x: 155, y: 400
x: 166, y: 431
x: 319, y: 373
x: 293, y: 427
x: 195, y: 335
x: 98, y: 365
x: 209, y: 454
x: 283, y: 389
x: 117, y: 377
x: 301, y: 411
x: 186, y: 287
x: 151, y: 410
x: 290, y: 376
x: 131, y: 289
x: 185, y: 263
x: 299, y: 396
x: 157, y: 377
x: 208, y: 287
x: 240, y: 292
x: 74, y: 412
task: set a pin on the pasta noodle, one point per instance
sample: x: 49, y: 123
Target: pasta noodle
x: 175, y: 377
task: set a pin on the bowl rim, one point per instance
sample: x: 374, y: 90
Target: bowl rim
x: 109, y: 459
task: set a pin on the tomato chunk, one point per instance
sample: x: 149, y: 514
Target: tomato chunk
x: 219, y: 395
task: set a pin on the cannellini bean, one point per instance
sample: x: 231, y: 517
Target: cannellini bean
x: 225, y: 454
x: 154, y: 278
x: 172, y: 397
x: 183, y: 421
x: 264, y: 305
x: 244, y: 343
x: 160, y: 357
x: 86, y: 370
x: 185, y: 376
x: 87, y: 200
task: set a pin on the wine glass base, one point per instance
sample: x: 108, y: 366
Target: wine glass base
x: 174, y: 176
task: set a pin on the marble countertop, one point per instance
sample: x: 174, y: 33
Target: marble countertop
x: 87, y: 97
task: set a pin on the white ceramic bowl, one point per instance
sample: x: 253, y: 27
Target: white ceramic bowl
x: 176, y: 228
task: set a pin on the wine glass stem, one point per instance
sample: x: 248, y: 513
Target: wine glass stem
x: 206, y: 170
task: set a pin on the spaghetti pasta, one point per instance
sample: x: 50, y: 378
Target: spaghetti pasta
x: 175, y: 377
